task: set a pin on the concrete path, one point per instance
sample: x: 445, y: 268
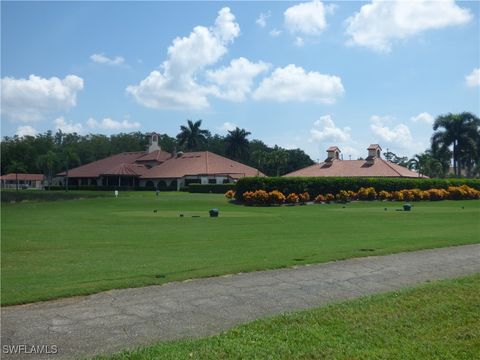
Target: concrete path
x: 119, y: 319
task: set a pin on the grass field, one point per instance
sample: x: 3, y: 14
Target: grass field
x: 66, y: 248
x: 435, y: 321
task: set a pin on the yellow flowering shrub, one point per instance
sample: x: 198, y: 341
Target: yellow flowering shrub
x: 292, y: 198
x: 230, y: 194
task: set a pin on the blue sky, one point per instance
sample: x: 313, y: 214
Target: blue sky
x: 296, y: 74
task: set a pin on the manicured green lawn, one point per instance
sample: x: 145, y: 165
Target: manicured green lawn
x: 65, y: 248
x: 436, y: 321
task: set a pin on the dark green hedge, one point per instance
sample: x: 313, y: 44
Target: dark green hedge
x: 210, y: 188
x: 102, y: 188
x: 325, y: 185
x: 39, y: 195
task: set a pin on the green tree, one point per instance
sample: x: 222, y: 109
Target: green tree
x: 237, y: 144
x: 48, y: 162
x: 192, y: 137
x: 16, y: 167
x: 461, y: 131
x: 426, y: 164
x: 69, y: 158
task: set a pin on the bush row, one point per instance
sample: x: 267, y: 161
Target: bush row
x: 275, y: 197
x: 37, y: 195
x: 333, y: 185
x: 210, y: 188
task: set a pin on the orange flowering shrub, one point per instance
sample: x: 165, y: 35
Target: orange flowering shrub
x: 292, y: 198
x: 230, y: 194
x: 344, y: 195
x: 367, y: 193
x: 384, y: 195
x: 304, y: 197
x: 275, y: 197
x: 397, y: 195
x: 463, y: 192
x: 437, y: 194
x: 319, y: 199
x: 329, y: 198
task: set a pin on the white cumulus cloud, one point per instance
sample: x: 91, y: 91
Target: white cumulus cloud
x: 398, y: 136
x: 110, y: 124
x: 235, y: 81
x: 176, y: 86
x: 67, y: 127
x: 275, y: 32
x: 227, y: 126
x: 262, y: 19
x: 34, y: 98
x: 473, y: 79
x: 26, y: 130
x: 379, y: 23
x: 293, y: 83
x: 325, y: 130
x: 103, y: 59
x: 307, y: 18
x: 424, y: 117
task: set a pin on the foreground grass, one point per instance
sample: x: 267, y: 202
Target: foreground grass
x: 436, y: 321
x: 66, y: 248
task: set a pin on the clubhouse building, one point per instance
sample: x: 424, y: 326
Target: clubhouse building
x: 372, y: 166
x: 158, y: 168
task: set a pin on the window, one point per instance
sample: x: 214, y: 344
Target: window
x: 212, y: 181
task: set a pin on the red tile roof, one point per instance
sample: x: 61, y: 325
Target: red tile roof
x: 23, y: 177
x: 200, y: 163
x: 374, y: 147
x: 96, y: 168
x: 354, y: 168
x: 157, y: 155
x: 126, y: 170
x: 333, y: 148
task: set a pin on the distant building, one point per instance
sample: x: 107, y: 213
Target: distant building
x: 372, y: 166
x: 158, y: 168
x: 31, y: 181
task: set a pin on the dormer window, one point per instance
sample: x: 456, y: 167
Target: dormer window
x: 374, y: 152
x: 333, y: 153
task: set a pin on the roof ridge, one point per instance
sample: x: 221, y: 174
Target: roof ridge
x: 391, y: 167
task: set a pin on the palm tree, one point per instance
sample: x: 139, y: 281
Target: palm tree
x: 426, y: 164
x: 16, y: 167
x: 69, y: 158
x: 237, y: 144
x: 48, y: 161
x: 191, y: 136
x: 460, y: 131
x: 278, y: 158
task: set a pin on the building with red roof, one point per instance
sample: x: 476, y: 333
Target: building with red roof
x: 34, y: 181
x: 158, y: 168
x: 372, y: 166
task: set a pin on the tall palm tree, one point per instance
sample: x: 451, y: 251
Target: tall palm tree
x: 278, y: 158
x: 192, y: 136
x: 460, y: 131
x: 426, y: 164
x: 69, y: 158
x: 16, y: 167
x: 237, y: 144
x: 48, y: 161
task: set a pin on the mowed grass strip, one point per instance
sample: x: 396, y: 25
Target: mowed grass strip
x: 436, y: 321
x: 67, y: 248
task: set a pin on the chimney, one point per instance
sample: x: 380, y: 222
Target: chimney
x: 333, y: 153
x: 374, y: 152
x: 153, y: 144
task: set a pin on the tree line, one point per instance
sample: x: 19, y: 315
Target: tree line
x: 456, y: 140
x: 50, y: 153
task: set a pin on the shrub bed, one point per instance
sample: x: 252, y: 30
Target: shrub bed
x: 210, y: 188
x: 333, y: 185
x: 34, y: 195
x: 275, y: 197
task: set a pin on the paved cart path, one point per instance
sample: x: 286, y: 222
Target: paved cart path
x: 115, y: 320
